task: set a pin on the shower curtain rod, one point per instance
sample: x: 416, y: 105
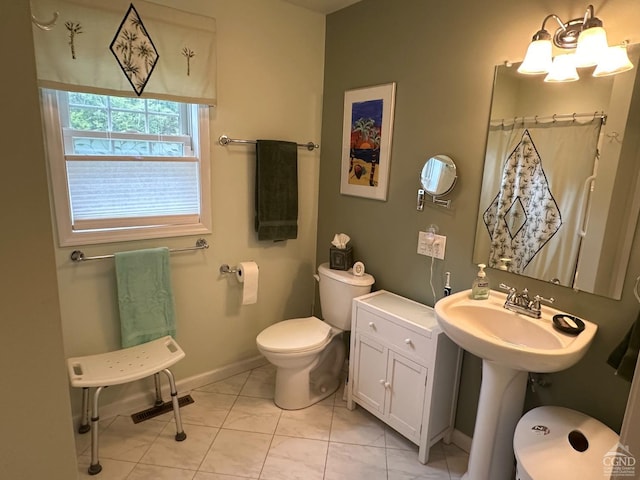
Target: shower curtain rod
x: 78, y: 256
x: 504, y: 122
x: 224, y: 141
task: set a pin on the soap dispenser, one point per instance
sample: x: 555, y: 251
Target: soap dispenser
x: 480, y: 287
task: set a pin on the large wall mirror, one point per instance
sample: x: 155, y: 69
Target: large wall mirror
x: 561, y: 186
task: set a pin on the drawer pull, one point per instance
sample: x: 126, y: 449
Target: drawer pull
x: 372, y: 325
x: 408, y: 341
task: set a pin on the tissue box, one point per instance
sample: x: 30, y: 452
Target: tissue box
x: 340, y: 258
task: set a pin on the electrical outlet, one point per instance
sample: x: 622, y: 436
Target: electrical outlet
x: 435, y: 248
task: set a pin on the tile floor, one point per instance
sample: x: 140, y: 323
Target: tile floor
x: 235, y: 431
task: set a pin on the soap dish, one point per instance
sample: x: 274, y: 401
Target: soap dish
x: 568, y: 324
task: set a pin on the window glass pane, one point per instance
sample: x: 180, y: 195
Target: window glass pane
x: 92, y: 146
x: 167, y: 149
x: 130, y: 147
x: 128, y: 122
x: 126, y: 103
x: 76, y: 98
x: 105, y: 146
x: 164, y: 124
x: 93, y: 119
x: 121, y: 189
x: 163, y: 106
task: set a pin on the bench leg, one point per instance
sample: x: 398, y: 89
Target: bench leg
x: 156, y: 380
x: 180, y: 435
x: 84, y: 422
x: 95, y: 467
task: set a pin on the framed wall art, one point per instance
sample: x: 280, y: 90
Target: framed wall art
x: 366, y: 141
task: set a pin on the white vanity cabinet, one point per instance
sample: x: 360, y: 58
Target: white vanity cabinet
x: 403, y: 368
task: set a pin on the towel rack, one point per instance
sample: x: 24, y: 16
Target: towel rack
x: 78, y: 255
x: 224, y: 141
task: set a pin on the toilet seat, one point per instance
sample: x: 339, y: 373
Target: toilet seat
x: 295, y: 335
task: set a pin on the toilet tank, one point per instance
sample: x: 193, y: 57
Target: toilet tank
x: 337, y: 289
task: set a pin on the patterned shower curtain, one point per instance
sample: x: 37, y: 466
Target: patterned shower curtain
x: 536, y: 203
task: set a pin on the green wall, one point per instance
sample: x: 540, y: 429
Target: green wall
x: 37, y: 432
x: 442, y: 56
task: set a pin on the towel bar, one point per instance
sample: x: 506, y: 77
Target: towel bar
x: 79, y: 256
x: 224, y: 141
x: 118, y: 367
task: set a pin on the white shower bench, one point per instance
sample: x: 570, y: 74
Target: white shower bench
x: 123, y: 366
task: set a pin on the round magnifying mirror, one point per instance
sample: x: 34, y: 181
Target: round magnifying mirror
x: 438, y: 175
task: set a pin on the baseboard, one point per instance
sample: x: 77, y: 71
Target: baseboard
x: 461, y: 440
x: 221, y: 373
x: 140, y: 400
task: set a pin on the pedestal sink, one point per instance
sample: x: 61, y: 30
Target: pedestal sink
x: 510, y: 345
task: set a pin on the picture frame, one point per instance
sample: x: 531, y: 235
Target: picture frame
x: 366, y: 141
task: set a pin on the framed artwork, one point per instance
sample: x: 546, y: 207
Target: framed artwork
x: 366, y: 141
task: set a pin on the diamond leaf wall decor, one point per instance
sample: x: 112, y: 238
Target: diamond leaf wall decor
x: 134, y: 51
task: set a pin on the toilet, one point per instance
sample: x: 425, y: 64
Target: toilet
x: 556, y: 442
x: 308, y: 352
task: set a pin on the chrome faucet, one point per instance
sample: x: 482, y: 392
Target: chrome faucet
x: 521, y: 302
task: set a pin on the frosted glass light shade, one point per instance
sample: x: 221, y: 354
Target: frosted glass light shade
x: 538, y: 58
x: 615, y: 60
x: 563, y: 69
x: 592, y: 44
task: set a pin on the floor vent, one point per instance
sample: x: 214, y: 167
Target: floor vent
x: 160, y: 409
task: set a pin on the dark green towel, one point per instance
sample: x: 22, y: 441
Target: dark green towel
x: 276, y: 215
x: 625, y: 356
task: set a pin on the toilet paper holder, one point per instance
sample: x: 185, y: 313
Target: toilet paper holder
x: 224, y: 269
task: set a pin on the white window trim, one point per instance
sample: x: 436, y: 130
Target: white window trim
x: 60, y: 196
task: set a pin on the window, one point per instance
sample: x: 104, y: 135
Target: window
x: 126, y: 168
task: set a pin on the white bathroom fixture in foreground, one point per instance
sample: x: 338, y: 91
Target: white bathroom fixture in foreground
x: 309, y: 353
x: 510, y: 345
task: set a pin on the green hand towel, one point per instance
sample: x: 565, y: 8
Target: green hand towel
x: 145, y: 296
x: 276, y: 191
x: 625, y: 356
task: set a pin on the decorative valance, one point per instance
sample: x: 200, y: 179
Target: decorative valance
x: 124, y: 47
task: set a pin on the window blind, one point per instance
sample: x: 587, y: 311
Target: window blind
x: 75, y: 54
x: 109, y: 194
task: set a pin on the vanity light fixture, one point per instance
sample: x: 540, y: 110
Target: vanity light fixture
x: 614, y: 61
x: 587, y: 37
x: 563, y: 69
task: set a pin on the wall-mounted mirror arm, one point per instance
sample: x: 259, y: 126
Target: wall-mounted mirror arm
x: 441, y: 202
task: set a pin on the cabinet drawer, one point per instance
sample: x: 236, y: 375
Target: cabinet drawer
x: 403, y: 339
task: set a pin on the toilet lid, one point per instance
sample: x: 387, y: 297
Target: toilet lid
x: 556, y: 442
x: 295, y: 335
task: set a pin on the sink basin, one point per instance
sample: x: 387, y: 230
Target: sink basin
x: 510, y: 345
x: 491, y: 332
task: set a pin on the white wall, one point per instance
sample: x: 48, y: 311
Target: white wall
x: 270, y: 80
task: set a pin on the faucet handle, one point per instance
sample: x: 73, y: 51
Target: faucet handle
x: 507, y: 287
x: 537, y: 299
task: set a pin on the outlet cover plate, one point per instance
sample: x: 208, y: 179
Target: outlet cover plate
x: 435, y: 249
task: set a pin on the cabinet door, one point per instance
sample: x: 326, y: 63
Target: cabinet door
x: 370, y: 372
x: 405, y: 400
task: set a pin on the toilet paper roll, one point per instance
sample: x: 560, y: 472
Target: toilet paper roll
x: 358, y: 269
x: 247, y: 275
